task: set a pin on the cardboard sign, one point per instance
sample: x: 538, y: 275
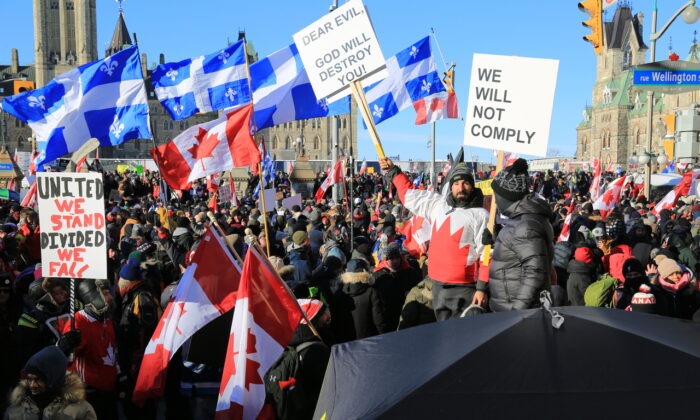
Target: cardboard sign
x: 340, y: 48
x: 72, y: 219
x: 485, y: 186
x: 289, y: 202
x: 224, y: 192
x: 270, y: 200
x: 510, y: 103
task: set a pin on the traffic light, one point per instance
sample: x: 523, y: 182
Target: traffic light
x: 594, y: 8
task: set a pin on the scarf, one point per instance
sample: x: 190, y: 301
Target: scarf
x: 675, y: 287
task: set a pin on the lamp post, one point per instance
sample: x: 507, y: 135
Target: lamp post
x: 691, y: 14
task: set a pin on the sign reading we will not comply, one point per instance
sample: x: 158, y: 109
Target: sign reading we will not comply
x: 72, y: 220
x: 510, y: 103
x: 340, y: 48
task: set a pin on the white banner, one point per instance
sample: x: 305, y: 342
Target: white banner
x: 270, y: 200
x: 510, y: 103
x: 340, y: 48
x: 72, y: 219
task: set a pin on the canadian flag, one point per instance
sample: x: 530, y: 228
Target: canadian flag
x: 208, y: 148
x: 263, y: 324
x: 363, y: 167
x: 564, y: 235
x: 206, y: 291
x: 234, y: 197
x: 80, y: 164
x: 606, y: 202
x: 446, y: 168
x: 417, y: 232
x: 608, y: 3
x: 683, y: 188
x: 509, y: 158
x: 213, y: 182
x: 595, y: 184
x: 435, y: 107
x: 335, y: 177
x: 290, y: 168
x: 30, y: 198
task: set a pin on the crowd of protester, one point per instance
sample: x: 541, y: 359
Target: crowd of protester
x: 346, y: 261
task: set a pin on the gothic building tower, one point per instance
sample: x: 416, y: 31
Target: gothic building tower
x: 65, y: 36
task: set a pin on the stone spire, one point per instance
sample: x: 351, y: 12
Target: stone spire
x: 120, y: 38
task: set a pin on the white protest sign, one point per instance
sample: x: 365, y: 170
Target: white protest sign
x: 510, y: 103
x: 340, y: 48
x: 72, y: 219
x: 270, y: 200
x: 290, y: 202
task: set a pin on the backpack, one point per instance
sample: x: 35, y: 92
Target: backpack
x: 287, y: 395
x: 601, y: 293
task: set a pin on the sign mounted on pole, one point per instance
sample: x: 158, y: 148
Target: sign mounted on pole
x: 510, y: 103
x: 72, y: 219
x: 668, y: 76
x: 339, y: 49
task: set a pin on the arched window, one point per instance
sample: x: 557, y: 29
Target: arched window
x: 165, y: 125
x: 627, y: 57
x: 345, y: 142
x: 345, y: 124
x: 317, y: 143
x: 584, y: 144
x: 172, y: 125
x: 287, y: 142
x: 637, y: 137
x: 313, y: 123
x: 274, y: 142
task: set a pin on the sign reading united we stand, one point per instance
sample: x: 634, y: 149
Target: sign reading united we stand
x: 339, y: 49
x: 510, y: 103
x: 72, y: 219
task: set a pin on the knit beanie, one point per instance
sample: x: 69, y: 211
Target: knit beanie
x: 50, y: 364
x: 583, y: 254
x: 299, y: 238
x: 644, y: 300
x: 461, y: 173
x: 513, y: 182
x: 393, y: 250
x: 615, y: 228
x: 131, y: 270
x: 667, y: 266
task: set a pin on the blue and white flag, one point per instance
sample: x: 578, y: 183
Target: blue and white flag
x: 412, y: 76
x: 418, y: 180
x: 267, y: 177
x: 203, y: 84
x: 105, y: 99
x: 282, y: 91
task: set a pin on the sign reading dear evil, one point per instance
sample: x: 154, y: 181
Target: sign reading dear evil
x: 72, y: 218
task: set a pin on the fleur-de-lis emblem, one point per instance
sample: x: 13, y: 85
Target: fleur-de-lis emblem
x: 109, y: 66
x: 223, y: 56
x: 378, y: 111
x: 35, y: 102
x: 426, y: 86
x: 178, y: 108
x: 414, y: 52
x: 117, y: 127
x: 172, y: 74
x: 231, y: 94
x: 323, y: 103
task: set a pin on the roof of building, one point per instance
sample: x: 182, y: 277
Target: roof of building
x: 618, y: 31
x: 120, y: 38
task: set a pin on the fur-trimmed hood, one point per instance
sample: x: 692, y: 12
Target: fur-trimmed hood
x: 287, y: 270
x: 72, y: 391
x: 363, y: 277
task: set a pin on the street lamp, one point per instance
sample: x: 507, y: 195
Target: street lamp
x: 662, y: 159
x: 691, y: 14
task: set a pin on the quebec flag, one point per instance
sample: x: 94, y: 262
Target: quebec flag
x: 105, y: 99
x: 203, y: 84
x: 282, y: 91
x: 412, y: 76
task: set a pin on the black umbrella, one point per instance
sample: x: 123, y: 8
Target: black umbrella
x: 601, y: 363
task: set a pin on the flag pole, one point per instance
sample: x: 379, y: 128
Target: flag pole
x: 492, y: 211
x: 255, y: 130
x: 359, y: 94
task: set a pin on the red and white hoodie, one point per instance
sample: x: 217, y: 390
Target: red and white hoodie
x: 95, y: 359
x: 456, y: 253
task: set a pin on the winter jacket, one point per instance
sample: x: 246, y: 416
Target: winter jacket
x: 393, y: 286
x: 677, y: 304
x: 522, y: 256
x: 418, y: 308
x: 69, y: 404
x: 298, y: 257
x: 456, y: 251
x: 183, y: 238
x: 581, y: 275
x: 358, y: 310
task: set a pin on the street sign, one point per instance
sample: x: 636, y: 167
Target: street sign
x: 340, y: 48
x: 510, y: 103
x: 668, y: 76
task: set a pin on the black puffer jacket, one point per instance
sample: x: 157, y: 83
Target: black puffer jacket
x: 581, y: 275
x: 522, y: 256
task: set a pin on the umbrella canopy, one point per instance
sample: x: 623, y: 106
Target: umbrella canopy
x: 600, y: 363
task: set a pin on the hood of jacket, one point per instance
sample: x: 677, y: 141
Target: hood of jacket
x: 71, y: 392
x: 576, y: 266
x: 180, y: 231
x: 354, y: 284
x: 530, y: 204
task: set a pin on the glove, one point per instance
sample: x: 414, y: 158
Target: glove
x: 487, y: 238
x: 69, y: 341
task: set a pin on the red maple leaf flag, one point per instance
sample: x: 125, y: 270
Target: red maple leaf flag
x: 417, y: 232
x: 595, y: 184
x: 335, y: 177
x: 206, y: 291
x: 564, y: 235
x: 208, y: 148
x: 683, y: 188
x: 606, y: 202
x: 435, y: 107
x: 263, y: 324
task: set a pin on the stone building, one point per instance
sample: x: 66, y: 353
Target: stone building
x: 65, y: 33
x: 615, y: 125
